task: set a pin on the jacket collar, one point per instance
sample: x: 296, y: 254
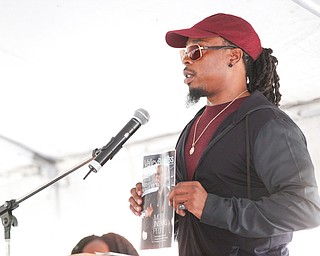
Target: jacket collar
x: 253, y: 103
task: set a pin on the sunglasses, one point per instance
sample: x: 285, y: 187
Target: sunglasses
x: 194, y: 51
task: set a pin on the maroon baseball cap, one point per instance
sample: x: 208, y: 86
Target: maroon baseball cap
x: 230, y: 27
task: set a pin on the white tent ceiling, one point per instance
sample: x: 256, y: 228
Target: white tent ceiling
x: 74, y: 71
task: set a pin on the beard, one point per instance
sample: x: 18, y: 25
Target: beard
x: 194, y: 96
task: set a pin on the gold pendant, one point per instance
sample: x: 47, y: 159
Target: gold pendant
x: 191, y: 150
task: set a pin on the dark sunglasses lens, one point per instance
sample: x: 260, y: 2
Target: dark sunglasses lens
x: 194, y: 52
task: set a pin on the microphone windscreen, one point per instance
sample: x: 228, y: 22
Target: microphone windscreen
x: 141, y: 115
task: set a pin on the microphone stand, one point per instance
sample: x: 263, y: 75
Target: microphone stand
x: 6, y: 209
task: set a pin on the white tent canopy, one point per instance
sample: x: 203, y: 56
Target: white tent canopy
x: 74, y: 71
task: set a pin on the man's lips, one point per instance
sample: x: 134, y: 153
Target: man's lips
x: 189, y: 76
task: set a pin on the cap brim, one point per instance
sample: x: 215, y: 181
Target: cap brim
x: 179, y: 38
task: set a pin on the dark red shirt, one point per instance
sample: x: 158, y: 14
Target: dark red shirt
x: 209, y: 113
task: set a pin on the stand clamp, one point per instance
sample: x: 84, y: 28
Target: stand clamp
x: 7, y: 218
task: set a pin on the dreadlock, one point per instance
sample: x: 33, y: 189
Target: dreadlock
x: 262, y: 75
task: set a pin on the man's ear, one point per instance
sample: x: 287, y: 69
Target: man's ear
x: 236, y: 55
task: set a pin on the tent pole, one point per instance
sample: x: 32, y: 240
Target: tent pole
x: 309, y: 5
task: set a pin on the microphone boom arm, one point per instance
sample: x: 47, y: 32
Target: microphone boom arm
x: 98, y: 158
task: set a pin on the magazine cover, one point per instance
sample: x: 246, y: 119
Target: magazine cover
x: 157, y: 219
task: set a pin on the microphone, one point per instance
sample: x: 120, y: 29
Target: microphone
x: 107, y: 152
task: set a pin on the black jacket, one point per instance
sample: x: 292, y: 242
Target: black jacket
x: 260, y: 182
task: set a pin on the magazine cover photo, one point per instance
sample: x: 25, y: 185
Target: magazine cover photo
x: 157, y: 218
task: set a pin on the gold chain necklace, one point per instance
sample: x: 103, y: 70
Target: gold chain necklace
x: 194, y: 140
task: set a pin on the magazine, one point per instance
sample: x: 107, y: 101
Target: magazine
x: 158, y: 178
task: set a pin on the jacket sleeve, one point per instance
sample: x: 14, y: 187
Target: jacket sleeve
x: 282, y: 162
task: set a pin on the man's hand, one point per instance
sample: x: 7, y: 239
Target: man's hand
x: 136, y: 200
x: 192, y: 195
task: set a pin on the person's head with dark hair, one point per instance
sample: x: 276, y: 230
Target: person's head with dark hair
x: 119, y: 244
x: 110, y: 242
x: 91, y: 244
x: 259, y: 65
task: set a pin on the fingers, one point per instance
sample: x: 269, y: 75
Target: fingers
x: 139, y: 189
x: 179, y: 194
x: 188, y: 196
x: 135, y: 200
x: 178, y: 199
